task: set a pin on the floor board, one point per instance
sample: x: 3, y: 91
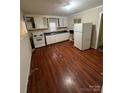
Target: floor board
x: 62, y: 68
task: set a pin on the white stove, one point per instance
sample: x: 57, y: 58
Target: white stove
x: 38, y: 38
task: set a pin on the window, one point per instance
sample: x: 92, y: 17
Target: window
x: 52, y: 26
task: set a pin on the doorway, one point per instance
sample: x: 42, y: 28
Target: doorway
x: 100, y: 37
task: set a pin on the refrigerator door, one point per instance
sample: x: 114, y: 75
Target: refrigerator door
x: 87, y: 27
x: 78, y: 40
x: 87, y: 35
x: 78, y: 27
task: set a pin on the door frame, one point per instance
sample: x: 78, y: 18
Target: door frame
x: 98, y: 29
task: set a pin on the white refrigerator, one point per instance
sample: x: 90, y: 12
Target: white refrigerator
x: 82, y: 35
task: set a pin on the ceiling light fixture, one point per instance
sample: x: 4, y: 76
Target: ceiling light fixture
x: 69, y: 5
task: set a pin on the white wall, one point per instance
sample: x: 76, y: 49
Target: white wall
x: 23, y: 30
x: 25, y: 56
x: 90, y: 15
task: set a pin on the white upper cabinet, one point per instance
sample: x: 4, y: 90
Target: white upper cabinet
x: 63, y: 22
x: 40, y: 22
x: 45, y: 24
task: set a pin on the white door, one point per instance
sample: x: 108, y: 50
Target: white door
x: 78, y: 40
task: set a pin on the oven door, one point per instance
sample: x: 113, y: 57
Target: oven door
x: 38, y: 40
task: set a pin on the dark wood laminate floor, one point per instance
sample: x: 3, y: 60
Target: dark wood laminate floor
x: 62, y: 68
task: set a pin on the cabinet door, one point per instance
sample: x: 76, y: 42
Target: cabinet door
x: 45, y: 24
x: 65, y: 22
x: 29, y: 25
x: 62, y: 37
x: 50, y: 39
x: 78, y: 40
x: 57, y: 38
x: 61, y: 22
x: 38, y: 22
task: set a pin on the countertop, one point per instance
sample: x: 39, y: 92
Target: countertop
x: 55, y: 32
x: 47, y: 32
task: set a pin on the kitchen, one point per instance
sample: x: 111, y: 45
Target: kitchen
x: 59, y: 46
x: 45, y: 30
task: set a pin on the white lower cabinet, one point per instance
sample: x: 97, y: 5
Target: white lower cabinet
x: 50, y: 39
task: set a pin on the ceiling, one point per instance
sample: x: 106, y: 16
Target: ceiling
x: 57, y: 7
